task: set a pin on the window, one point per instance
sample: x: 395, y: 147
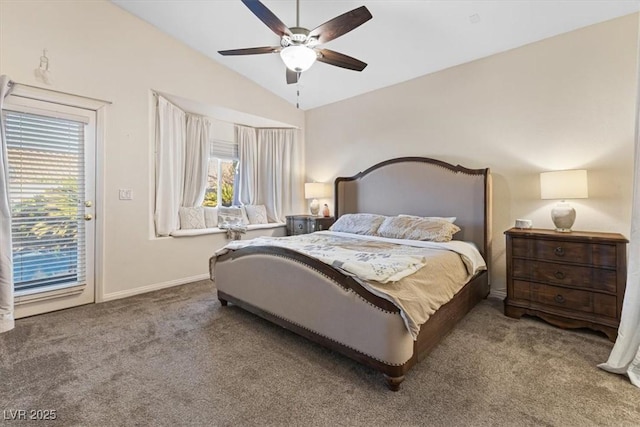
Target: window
x: 221, y: 179
x: 223, y: 174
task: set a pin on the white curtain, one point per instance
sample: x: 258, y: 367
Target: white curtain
x: 269, y: 169
x: 196, y: 165
x: 248, y: 164
x: 625, y: 356
x: 276, y: 174
x: 6, y: 255
x: 170, y: 165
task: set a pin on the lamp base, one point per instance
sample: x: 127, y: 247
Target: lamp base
x: 314, y: 207
x: 563, y: 216
x: 562, y: 230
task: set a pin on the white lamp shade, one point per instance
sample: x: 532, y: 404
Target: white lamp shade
x: 316, y: 190
x: 298, y: 58
x: 562, y: 185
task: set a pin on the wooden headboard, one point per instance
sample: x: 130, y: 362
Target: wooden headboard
x: 424, y: 187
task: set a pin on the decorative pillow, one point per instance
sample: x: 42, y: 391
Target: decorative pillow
x: 210, y: 217
x: 446, y: 218
x: 415, y: 228
x: 229, y: 216
x: 191, y: 218
x: 245, y: 217
x: 362, y: 223
x: 257, y: 214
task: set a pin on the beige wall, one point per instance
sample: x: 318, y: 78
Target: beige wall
x: 563, y: 103
x: 98, y: 50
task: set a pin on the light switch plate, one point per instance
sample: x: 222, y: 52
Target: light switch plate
x: 125, y: 194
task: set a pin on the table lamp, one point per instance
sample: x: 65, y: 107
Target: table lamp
x: 315, y: 191
x: 562, y: 185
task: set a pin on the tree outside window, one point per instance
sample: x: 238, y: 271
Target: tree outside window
x: 220, y: 182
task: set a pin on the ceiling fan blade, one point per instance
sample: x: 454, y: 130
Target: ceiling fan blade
x: 266, y: 16
x: 341, y: 25
x: 340, y: 60
x: 250, y: 51
x: 292, y: 77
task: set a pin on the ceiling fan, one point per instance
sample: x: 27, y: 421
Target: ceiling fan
x: 299, y: 48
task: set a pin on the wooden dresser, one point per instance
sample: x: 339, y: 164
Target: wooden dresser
x: 571, y: 280
x: 303, y: 224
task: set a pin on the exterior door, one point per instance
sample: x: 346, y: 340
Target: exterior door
x: 51, y: 156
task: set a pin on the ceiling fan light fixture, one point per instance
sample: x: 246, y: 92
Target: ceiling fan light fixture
x: 298, y: 58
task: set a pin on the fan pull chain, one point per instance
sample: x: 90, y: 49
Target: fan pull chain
x: 298, y: 90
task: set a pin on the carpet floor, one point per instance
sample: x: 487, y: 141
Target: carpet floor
x: 177, y: 358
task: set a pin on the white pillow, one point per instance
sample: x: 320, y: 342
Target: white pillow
x: 245, y: 217
x: 257, y: 214
x: 210, y: 217
x: 362, y: 223
x: 191, y: 218
x: 416, y: 228
x: 229, y: 216
x: 446, y: 218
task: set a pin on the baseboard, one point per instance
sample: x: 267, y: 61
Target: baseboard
x: 500, y: 294
x: 151, y: 288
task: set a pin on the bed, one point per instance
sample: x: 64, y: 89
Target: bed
x: 337, y: 310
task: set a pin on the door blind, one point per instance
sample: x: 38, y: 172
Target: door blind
x: 46, y: 187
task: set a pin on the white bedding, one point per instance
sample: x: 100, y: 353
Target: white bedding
x: 468, y: 252
x: 381, y: 263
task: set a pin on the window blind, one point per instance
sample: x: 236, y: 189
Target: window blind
x: 46, y: 188
x: 223, y: 149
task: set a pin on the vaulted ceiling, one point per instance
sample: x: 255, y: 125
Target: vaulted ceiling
x: 404, y: 40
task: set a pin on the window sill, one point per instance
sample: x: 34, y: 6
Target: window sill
x: 216, y: 230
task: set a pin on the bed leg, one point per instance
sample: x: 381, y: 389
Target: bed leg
x: 393, y: 382
x: 224, y: 302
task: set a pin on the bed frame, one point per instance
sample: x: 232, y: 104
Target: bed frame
x: 324, y: 305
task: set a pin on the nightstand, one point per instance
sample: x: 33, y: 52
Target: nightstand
x: 571, y: 280
x: 303, y: 224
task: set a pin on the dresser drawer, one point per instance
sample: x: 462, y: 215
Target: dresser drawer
x: 323, y: 224
x: 303, y: 224
x: 299, y: 226
x: 565, y: 298
x: 572, y: 280
x: 565, y: 274
x: 601, y: 255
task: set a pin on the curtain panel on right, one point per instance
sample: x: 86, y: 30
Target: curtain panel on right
x: 268, y: 169
x: 276, y: 166
x: 625, y: 356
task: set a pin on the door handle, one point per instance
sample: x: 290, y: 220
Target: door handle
x: 88, y: 217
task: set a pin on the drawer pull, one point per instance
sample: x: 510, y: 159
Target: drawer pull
x: 559, y: 275
x: 559, y: 299
x: 299, y: 226
x: 559, y: 251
